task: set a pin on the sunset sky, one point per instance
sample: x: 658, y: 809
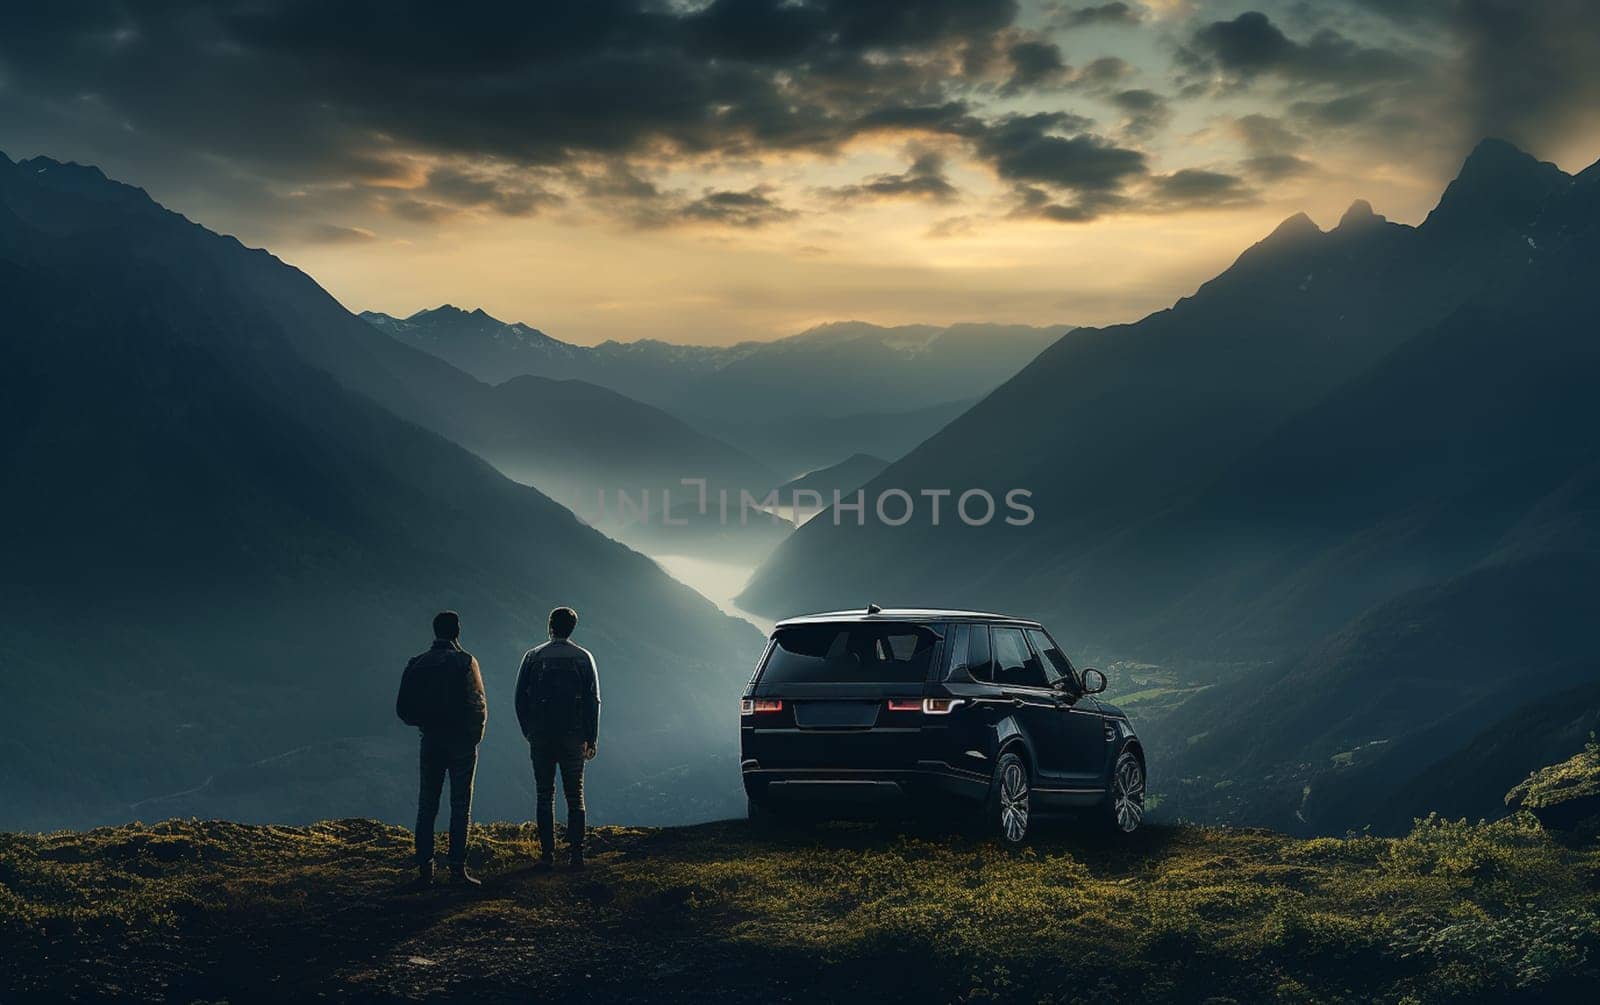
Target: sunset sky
x: 710, y: 172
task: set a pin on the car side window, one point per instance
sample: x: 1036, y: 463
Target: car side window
x: 979, y: 661
x: 1014, y: 662
x: 957, y: 634
x: 1056, y: 665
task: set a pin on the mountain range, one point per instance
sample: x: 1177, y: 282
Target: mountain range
x: 232, y: 508
x: 1371, y: 415
x: 867, y: 387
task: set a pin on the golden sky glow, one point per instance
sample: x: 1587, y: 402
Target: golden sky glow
x: 708, y: 172
x: 586, y: 280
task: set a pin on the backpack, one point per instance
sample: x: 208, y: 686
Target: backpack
x: 429, y: 692
x: 555, y: 696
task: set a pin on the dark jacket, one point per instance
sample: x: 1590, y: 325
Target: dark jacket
x: 442, y: 693
x: 560, y: 655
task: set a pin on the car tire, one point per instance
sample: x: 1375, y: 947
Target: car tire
x: 758, y: 814
x: 1009, y: 805
x: 1124, y: 806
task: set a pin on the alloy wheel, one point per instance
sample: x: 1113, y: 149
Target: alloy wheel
x: 1127, y: 794
x: 1014, y: 802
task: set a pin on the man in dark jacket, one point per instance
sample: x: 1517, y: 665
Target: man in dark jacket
x: 558, y: 707
x: 442, y: 694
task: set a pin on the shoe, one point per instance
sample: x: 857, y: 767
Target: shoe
x: 545, y: 863
x: 459, y: 874
x: 424, y: 877
x: 576, y: 859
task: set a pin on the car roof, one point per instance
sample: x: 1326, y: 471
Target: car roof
x: 917, y: 614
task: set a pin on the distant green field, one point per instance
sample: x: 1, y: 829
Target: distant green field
x: 209, y: 910
x: 1147, y: 689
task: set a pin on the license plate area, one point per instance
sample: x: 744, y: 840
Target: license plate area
x: 836, y: 714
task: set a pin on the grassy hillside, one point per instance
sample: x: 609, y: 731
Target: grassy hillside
x: 211, y: 910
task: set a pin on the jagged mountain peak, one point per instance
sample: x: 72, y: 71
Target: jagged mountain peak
x: 447, y: 312
x: 82, y: 179
x: 1360, y: 214
x: 1293, y: 230
x: 1499, y: 185
x: 1495, y: 158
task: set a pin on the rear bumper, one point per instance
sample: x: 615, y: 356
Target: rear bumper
x: 864, y: 787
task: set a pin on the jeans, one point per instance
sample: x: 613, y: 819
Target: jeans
x: 549, y: 755
x: 458, y: 759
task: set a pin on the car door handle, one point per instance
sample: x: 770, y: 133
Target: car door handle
x: 1017, y: 702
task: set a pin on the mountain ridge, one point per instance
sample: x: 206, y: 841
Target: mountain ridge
x: 1285, y: 316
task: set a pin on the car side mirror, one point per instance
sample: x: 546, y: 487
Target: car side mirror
x: 1093, y: 681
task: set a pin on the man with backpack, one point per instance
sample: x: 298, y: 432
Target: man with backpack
x: 441, y: 693
x: 558, y: 707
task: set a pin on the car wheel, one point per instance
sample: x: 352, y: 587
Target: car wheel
x: 1009, y: 801
x: 757, y: 814
x: 1125, y: 801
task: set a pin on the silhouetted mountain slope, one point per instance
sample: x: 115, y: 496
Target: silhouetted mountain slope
x: 1150, y: 538
x: 845, y: 477
x: 835, y: 371
x: 1462, y: 785
x: 606, y: 442
x: 1387, y: 718
x: 1472, y: 442
x: 218, y: 552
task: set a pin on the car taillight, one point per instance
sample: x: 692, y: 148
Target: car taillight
x: 927, y: 706
x: 751, y: 706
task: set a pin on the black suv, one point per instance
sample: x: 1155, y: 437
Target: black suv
x: 858, y: 709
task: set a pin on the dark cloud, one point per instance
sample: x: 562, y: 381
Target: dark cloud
x: 1033, y: 65
x: 1106, y: 71
x: 1193, y: 188
x: 1147, y: 112
x: 949, y: 117
x: 752, y: 207
x: 1035, y: 202
x: 1065, y: 178
x: 1251, y: 46
x: 1531, y: 72
x: 291, y: 93
x: 1109, y: 13
x: 1525, y: 70
x: 295, y: 110
x: 924, y: 179
x: 469, y: 189
x: 1031, y: 149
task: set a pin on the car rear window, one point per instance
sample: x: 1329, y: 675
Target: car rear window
x: 850, y: 652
